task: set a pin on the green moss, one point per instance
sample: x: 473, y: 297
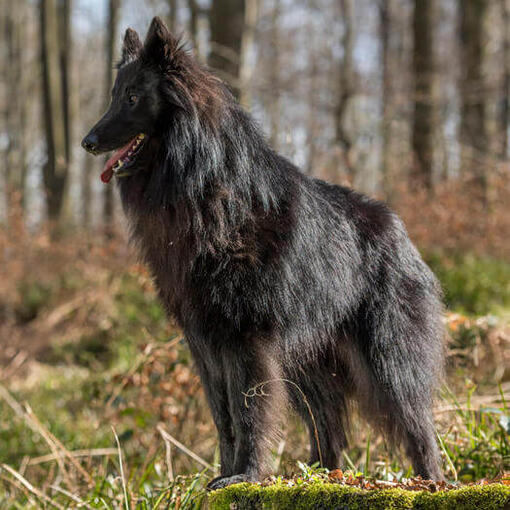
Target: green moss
x: 485, y: 497
x: 324, y: 496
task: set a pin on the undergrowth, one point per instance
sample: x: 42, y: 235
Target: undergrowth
x: 88, y: 348
x: 473, y: 284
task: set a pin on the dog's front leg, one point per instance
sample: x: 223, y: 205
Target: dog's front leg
x: 214, y: 382
x: 255, y: 393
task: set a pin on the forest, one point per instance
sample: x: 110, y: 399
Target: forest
x: 407, y: 101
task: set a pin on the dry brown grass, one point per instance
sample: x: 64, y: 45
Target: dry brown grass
x: 453, y: 218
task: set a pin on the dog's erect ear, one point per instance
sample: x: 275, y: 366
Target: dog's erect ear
x: 159, y: 42
x: 157, y: 30
x: 131, y: 47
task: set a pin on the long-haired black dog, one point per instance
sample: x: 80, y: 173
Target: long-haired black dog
x: 273, y: 276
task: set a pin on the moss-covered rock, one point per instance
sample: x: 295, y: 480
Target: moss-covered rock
x: 328, y: 496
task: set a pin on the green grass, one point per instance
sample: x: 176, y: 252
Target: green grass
x: 478, y: 441
x: 473, y: 284
x: 183, y: 493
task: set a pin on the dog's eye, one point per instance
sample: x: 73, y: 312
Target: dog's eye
x: 133, y: 99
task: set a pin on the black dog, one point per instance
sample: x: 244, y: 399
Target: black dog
x: 274, y: 277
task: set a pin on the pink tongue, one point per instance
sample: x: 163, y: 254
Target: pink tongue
x: 107, y: 173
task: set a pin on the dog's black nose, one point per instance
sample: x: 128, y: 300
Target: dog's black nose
x: 89, y: 143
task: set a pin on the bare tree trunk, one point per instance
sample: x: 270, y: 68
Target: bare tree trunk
x: 55, y: 170
x: 251, y: 13
x: 65, y: 48
x: 111, y: 44
x: 312, y: 122
x: 473, y: 126
x: 86, y: 191
x: 198, y: 24
x: 505, y: 93
x: 424, y: 121
x: 172, y: 15
x: 385, y: 11
x: 68, y: 98
x: 193, y: 22
x: 226, y: 21
x: 15, y: 107
x: 274, y: 73
x: 346, y: 87
x: 23, y: 87
x: 111, y: 40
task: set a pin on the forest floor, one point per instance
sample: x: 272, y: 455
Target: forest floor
x: 100, y: 406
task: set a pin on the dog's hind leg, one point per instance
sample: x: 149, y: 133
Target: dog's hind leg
x: 406, y: 416
x: 325, y: 429
x: 403, y: 355
x: 321, y: 403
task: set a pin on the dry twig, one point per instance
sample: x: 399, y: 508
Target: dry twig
x: 30, y: 487
x: 183, y: 448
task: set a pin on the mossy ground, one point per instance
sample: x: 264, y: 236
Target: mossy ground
x: 324, y: 496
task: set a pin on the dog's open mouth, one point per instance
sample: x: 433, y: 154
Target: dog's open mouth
x: 122, y: 159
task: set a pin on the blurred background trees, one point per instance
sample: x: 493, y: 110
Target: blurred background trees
x: 399, y: 99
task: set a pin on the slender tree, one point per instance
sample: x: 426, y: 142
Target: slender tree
x: 312, y: 127
x: 346, y: 85
x: 64, y: 9
x: 86, y: 190
x: 15, y: 74
x: 111, y: 41
x: 505, y: 93
x: 274, y: 74
x: 193, y: 22
x: 56, y: 168
x: 65, y: 53
x: 424, y: 72
x: 473, y: 126
x: 172, y: 15
x: 226, y: 21
x: 246, y: 66
x: 385, y: 11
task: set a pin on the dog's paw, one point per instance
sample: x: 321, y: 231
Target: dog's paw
x: 224, y: 481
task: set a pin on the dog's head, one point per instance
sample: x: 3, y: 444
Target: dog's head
x: 156, y: 81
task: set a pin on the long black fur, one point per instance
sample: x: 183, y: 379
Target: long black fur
x: 272, y: 275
